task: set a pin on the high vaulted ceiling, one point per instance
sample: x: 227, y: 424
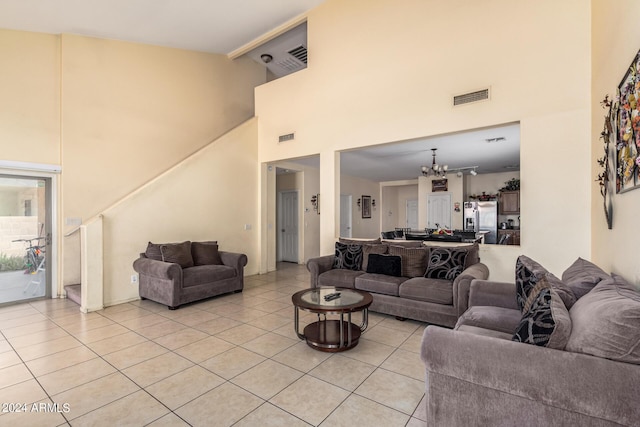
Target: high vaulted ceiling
x: 215, y: 26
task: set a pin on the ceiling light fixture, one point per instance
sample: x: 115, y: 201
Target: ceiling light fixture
x: 435, y: 169
x: 266, y: 58
x: 473, y: 172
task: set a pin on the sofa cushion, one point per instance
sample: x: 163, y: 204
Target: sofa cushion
x: 372, y: 249
x: 203, y: 274
x: 445, y: 263
x: 348, y: 257
x: 495, y: 318
x: 391, y: 265
x: 205, y: 253
x: 340, y: 278
x: 484, y: 332
x: 582, y: 276
x: 431, y: 290
x: 528, y: 273
x: 545, y: 321
x: 473, y: 253
x: 605, y: 322
x: 379, y: 283
x: 179, y: 253
x: 153, y: 251
x: 414, y: 260
x: 408, y: 243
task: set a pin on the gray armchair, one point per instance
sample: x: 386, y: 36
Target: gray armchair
x: 187, y: 272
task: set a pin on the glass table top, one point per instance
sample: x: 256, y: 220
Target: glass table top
x: 316, y: 297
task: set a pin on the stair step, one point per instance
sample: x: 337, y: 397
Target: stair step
x: 73, y: 293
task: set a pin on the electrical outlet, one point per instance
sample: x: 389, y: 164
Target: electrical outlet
x: 134, y: 278
x: 247, y: 226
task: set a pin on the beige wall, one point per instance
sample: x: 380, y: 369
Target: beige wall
x: 362, y: 228
x: 30, y: 88
x: 113, y: 114
x: 359, y: 99
x: 615, y: 43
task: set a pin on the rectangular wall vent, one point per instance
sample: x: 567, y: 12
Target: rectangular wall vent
x: 287, y: 137
x: 300, y: 53
x: 466, y: 98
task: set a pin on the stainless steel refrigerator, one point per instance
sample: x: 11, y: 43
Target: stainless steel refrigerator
x: 482, y: 217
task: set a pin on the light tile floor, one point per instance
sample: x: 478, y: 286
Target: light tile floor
x: 230, y: 360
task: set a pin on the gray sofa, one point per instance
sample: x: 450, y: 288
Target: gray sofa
x: 179, y: 273
x: 582, y: 371
x: 438, y: 299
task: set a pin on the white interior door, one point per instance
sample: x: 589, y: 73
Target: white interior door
x: 412, y: 214
x: 288, y: 226
x: 439, y: 210
x: 345, y: 215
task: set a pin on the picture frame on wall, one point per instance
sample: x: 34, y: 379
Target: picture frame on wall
x: 439, y: 185
x: 625, y: 116
x: 366, y: 206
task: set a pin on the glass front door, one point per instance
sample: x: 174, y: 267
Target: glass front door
x: 25, y: 238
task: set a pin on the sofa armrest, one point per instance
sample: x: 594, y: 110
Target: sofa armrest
x: 236, y: 260
x: 495, y: 294
x: 462, y: 285
x: 317, y: 266
x: 158, y: 269
x: 503, y: 381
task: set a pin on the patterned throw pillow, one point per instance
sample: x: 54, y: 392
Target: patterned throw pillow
x: 389, y: 265
x: 545, y: 321
x: 348, y: 257
x: 445, y: 263
x: 528, y: 273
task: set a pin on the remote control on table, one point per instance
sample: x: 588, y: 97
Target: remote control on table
x: 331, y: 297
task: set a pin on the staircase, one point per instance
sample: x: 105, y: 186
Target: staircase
x: 73, y: 293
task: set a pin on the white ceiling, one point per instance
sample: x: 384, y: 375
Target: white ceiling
x: 215, y: 26
x: 403, y: 160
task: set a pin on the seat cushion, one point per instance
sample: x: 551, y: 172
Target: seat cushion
x: 201, y: 274
x: 494, y: 318
x: 338, y: 277
x: 430, y: 290
x: 484, y: 332
x: 379, y: 283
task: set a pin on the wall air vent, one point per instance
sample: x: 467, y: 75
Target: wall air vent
x: 287, y: 137
x: 300, y: 53
x: 466, y: 98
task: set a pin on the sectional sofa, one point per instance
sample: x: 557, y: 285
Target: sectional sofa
x: 407, y: 279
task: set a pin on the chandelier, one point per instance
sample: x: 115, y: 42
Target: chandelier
x: 435, y: 169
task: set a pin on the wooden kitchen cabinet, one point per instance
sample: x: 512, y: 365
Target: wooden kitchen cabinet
x: 509, y: 237
x: 509, y: 203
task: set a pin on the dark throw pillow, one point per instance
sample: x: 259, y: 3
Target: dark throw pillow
x: 348, y: 257
x: 179, y: 253
x: 205, y: 253
x: 372, y: 249
x: 445, y: 263
x: 153, y: 251
x: 545, y: 320
x: 390, y: 265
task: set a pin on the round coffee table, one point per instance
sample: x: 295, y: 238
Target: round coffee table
x: 331, y: 335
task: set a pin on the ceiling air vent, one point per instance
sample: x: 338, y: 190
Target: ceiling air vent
x: 466, y: 98
x: 300, y: 53
x: 287, y: 137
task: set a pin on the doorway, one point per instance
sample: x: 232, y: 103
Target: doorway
x: 288, y: 226
x: 346, y: 213
x: 25, y: 238
x: 412, y: 214
x: 439, y: 210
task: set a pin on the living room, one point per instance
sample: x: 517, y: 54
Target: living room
x: 119, y: 117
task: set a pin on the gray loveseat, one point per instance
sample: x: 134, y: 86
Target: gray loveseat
x: 178, y: 273
x: 394, y: 273
x: 583, y: 368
